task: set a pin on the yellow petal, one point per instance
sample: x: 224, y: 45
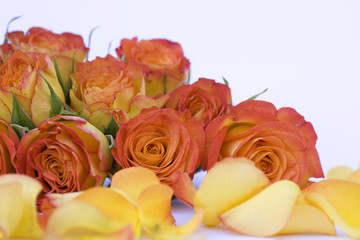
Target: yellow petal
x: 80, y: 219
x: 308, y: 219
x: 226, y: 185
x: 339, y: 199
x: 354, y: 176
x: 339, y: 172
x: 18, y: 214
x: 154, y: 203
x: 266, y: 213
x: 133, y: 180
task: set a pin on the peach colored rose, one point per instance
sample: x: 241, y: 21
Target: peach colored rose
x: 158, y: 57
x: 105, y: 85
x: 64, y: 46
x: 19, y: 73
x: 162, y: 140
x: 8, y: 145
x: 65, y: 154
x: 5, y: 52
x: 280, y: 142
x: 205, y: 99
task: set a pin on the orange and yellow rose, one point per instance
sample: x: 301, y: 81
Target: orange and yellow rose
x: 65, y: 154
x: 105, y: 85
x: 205, y: 99
x: 159, y: 57
x: 162, y: 140
x: 280, y: 142
x: 64, y: 47
x: 19, y: 74
x: 8, y: 145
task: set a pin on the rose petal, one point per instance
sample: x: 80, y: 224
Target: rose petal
x: 308, y: 219
x: 341, y: 172
x: 133, y: 181
x: 183, y: 187
x: 229, y: 183
x: 266, y: 213
x: 18, y: 215
x: 339, y: 199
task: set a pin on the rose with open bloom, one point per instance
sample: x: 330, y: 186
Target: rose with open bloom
x: 205, y: 99
x: 19, y: 74
x: 162, y: 140
x: 65, y: 47
x: 280, y: 142
x: 164, y: 62
x: 65, y: 154
x: 104, y: 85
x: 8, y: 144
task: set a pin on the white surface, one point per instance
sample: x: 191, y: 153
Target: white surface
x: 306, y: 52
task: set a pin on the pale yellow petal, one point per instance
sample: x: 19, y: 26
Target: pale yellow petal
x: 339, y: 199
x: 133, y: 180
x: 266, y: 213
x: 226, y: 185
x: 27, y: 190
x: 339, y: 172
x: 308, y: 219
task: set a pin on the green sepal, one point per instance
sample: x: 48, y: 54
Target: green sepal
x: 7, y: 26
x: 56, y: 103
x: 256, y: 95
x: 58, y: 74
x: 19, y: 130
x: 225, y: 81
x: 65, y: 112
x: 90, y: 35
x: 188, y: 79
x: 112, y: 128
x: 111, y: 140
x: 165, y: 80
x: 19, y: 116
x: 73, y: 64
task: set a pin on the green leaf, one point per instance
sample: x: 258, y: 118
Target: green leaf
x: 19, y: 116
x: 8, y: 25
x: 90, y: 35
x: 112, y: 128
x: 225, y: 81
x: 255, y: 96
x: 73, y: 64
x: 111, y: 141
x: 58, y: 74
x: 165, y: 80
x: 19, y: 130
x: 188, y: 79
x: 56, y: 103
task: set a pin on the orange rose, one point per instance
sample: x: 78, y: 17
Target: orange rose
x: 64, y: 47
x: 205, y: 99
x: 8, y: 145
x: 5, y: 52
x: 105, y: 85
x: 159, y: 57
x: 65, y: 154
x: 19, y: 73
x: 162, y: 140
x: 280, y: 142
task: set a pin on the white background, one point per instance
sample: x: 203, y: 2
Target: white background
x: 306, y: 52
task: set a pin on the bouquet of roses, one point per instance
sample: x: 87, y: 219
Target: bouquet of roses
x: 67, y: 125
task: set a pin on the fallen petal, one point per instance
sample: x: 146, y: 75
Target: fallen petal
x: 184, y: 188
x: 266, y: 213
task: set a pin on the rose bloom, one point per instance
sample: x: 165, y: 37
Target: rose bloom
x: 65, y: 154
x: 8, y: 145
x: 158, y: 57
x: 162, y: 140
x: 64, y: 46
x: 105, y: 85
x: 5, y: 52
x: 205, y: 99
x: 19, y: 73
x: 280, y: 142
